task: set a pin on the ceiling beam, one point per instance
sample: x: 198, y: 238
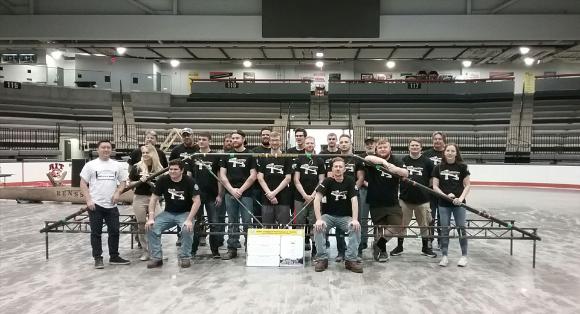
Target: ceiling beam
x: 224, y: 52
x: 141, y: 6
x: 427, y: 53
x: 190, y: 53
x: 462, y: 52
x: 357, y: 53
x: 155, y: 52
x: 263, y: 52
x: 5, y: 4
x: 391, y: 54
x: 503, y: 6
x: 84, y: 50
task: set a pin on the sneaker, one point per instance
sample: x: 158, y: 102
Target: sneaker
x: 202, y: 242
x: 237, y: 245
x: 339, y: 258
x: 215, y: 254
x: 353, y: 266
x: 327, y: 244
x: 428, y: 252
x: 178, y: 242
x: 155, y: 263
x: 383, y: 257
x: 184, y: 262
x: 307, y: 246
x: 144, y: 256
x: 376, y: 252
x: 444, y: 261
x: 118, y: 260
x: 232, y: 253
x: 398, y: 250
x: 462, y: 261
x: 321, y: 265
x: 99, y: 263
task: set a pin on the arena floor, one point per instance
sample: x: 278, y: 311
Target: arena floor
x: 493, y: 282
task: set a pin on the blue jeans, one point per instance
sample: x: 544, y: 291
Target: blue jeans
x: 342, y: 223
x: 164, y: 221
x: 235, y: 211
x: 212, y: 217
x: 363, y: 214
x: 459, y: 216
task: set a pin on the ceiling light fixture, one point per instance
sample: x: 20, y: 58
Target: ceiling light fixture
x: 391, y: 64
x: 466, y: 63
x: 174, y: 63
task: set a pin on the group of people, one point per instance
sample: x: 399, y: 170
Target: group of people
x: 332, y: 190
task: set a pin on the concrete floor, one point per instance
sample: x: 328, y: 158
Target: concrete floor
x: 493, y: 282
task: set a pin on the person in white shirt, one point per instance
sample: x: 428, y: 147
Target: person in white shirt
x: 102, y: 181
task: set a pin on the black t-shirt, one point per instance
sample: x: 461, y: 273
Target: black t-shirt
x: 420, y: 170
x: 180, y: 151
x: 141, y: 188
x: 275, y: 170
x: 208, y: 184
x: 178, y: 195
x: 338, y: 196
x: 434, y: 155
x: 383, y: 189
x: 294, y: 150
x: 261, y: 150
x: 135, y: 157
x: 352, y: 165
x: 327, y: 160
x: 309, y: 169
x: 238, y: 169
x: 450, y: 179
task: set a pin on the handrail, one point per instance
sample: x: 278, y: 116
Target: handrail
x: 415, y: 80
x: 556, y: 76
x: 241, y: 80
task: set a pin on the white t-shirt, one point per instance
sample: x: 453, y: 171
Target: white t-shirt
x: 103, y: 178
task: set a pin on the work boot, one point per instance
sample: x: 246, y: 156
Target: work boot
x: 353, y: 266
x: 321, y: 265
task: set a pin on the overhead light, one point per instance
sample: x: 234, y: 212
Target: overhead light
x: 174, y: 63
x: 57, y: 54
x: 524, y: 50
x: 319, y: 54
x: 391, y: 64
x: 529, y: 61
x: 466, y: 63
x: 99, y: 55
x: 149, y: 77
x: 121, y: 50
x: 247, y: 63
x: 83, y: 54
x: 539, y: 61
x: 319, y: 64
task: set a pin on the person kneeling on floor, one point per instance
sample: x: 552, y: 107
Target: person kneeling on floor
x: 182, y: 200
x: 340, y: 210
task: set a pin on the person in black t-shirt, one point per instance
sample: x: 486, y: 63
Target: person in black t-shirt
x: 383, y: 198
x: 308, y: 173
x: 150, y: 138
x: 339, y: 192
x: 299, y: 135
x: 435, y: 154
x: 265, y: 137
x: 257, y: 193
x: 181, y: 194
x: 211, y: 193
x: 413, y: 199
x: 142, y: 193
x: 354, y: 168
x: 274, y: 175
x: 237, y: 174
x: 188, y: 147
x: 451, y: 178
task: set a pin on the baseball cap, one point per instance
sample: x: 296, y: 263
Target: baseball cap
x: 186, y: 130
x: 369, y: 139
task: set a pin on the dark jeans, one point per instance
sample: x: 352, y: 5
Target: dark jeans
x: 111, y: 218
x: 212, y: 217
x: 434, y: 204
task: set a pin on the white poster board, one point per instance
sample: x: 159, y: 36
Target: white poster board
x: 275, y: 248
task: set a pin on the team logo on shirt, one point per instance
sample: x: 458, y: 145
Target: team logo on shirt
x: 338, y: 195
x: 278, y: 169
x: 349, y: 167
x: 385, y: 174
x: 176, y: 194
x: 436, y: 160
x: 106, y: 175
x: 200, y: 164
x: 415, y: 170
x: 450, y: 174
x: 196, y: 187
x: 309, y: 169
x: 237, y: 162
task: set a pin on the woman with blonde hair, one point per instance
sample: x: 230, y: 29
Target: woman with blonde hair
x: 148, y: 165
